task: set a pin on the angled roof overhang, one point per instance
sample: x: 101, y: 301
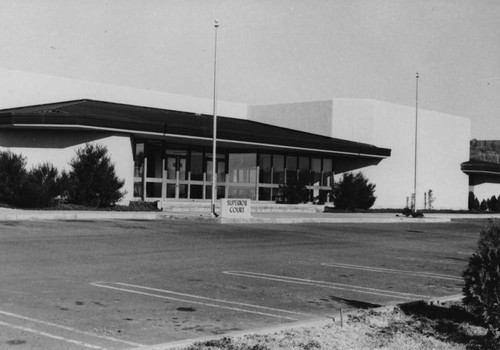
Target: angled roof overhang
x: 480, y: 167
x: 180, y: 127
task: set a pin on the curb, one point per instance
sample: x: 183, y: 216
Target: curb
x: 18, y: 215
x: 34, y: 215
x: 356, y: 220
x: 319, y: 322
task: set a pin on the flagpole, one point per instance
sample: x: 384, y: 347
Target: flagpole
x: 214, y: 143
x: 416, y: 144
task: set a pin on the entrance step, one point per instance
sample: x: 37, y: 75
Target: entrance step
x: 204, y: 206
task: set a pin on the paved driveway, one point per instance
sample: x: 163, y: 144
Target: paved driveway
x: 122, y: 284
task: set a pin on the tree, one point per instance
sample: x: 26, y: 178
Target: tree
x: 431, y: 199
x: 353, y: 192
x: 476, y: 206
x: 42, y: 186
x: 482, y: 278
x: 13, y: 175
x: 492, y: 203
x: 472, y: 197
x: 496, y: 208
x: 92, y: 180
x: 483, y: 206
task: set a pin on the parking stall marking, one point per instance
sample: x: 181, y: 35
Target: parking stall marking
x: 148, y: 291
x: 70, y: 329
x: 330, y: 285
x: 32, y: 320
x: 394, y: 271
x: 438, y: 261
x: 52, y: 336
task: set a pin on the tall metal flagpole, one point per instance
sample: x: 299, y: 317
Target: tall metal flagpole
x: 416, y: 143
x: 214, y: 143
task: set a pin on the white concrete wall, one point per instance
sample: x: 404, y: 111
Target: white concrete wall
x: 59, y: 148
x: 443, y: 144
x: 313, y: 117
x: 24, y: 89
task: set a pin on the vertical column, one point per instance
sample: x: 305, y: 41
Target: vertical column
x: 177, y: 178
x: 226, y: 184
x: 144, y: 178
x: 204, y: 185
x: 163, y: 179
x: 257, y: 183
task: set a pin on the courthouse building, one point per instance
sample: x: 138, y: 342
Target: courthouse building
x: 161, y: 143
x: 170, y: 151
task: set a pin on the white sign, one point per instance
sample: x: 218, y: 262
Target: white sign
x: 236, y: 208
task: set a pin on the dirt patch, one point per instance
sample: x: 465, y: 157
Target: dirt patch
x: 16, y: 342
x: 186, y: 309
x: 414, y: 326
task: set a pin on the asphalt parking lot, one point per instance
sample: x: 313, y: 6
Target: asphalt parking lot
x: 125, y: 284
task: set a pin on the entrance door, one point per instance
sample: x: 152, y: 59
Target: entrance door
x: 176, y: 176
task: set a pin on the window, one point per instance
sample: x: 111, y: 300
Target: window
x: 242, y: 175
x: 278, y: 169
x: 154, y: 156
x: 139, y: 159
x: 291, y: 168
x: 265, y: 168
x: 197, y: 166
x: 327, y: 172
x: 316, y: 171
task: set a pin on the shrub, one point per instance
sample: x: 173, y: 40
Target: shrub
x: 492, y: 203
x: 13, y: 174
x: 295, y: 191
x: 407, y: 211
x: 353, y: 192
x: 42, y: 186
x: 477, y: 206
x: 496, y: 204
x: 92, y: 180
x: 482, y: 278
x: 473, y: 202
x: 483, y: 206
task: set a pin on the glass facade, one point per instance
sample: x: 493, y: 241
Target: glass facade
x: 139, y: 170
x: 265, y: 169
x: 163, y: 171
x: 242, y: 175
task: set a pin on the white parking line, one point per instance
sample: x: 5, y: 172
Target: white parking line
x: 131, y: 288
x: 394, y: 271
x: 55, y: 325
x: 330, y: 285
x: 52, y: 336
x: 438, y: 261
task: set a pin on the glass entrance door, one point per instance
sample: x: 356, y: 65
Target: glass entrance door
x: 176, y: 174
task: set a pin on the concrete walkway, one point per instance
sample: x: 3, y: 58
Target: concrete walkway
x: 287, y: 218
x: 257, y: 218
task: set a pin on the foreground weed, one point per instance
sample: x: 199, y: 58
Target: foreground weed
x: 225, y: 344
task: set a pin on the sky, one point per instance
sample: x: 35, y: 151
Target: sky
x: 271, y: 51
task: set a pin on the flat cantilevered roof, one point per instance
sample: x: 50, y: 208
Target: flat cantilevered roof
x: 475, y: 166
x: 179, y: 127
